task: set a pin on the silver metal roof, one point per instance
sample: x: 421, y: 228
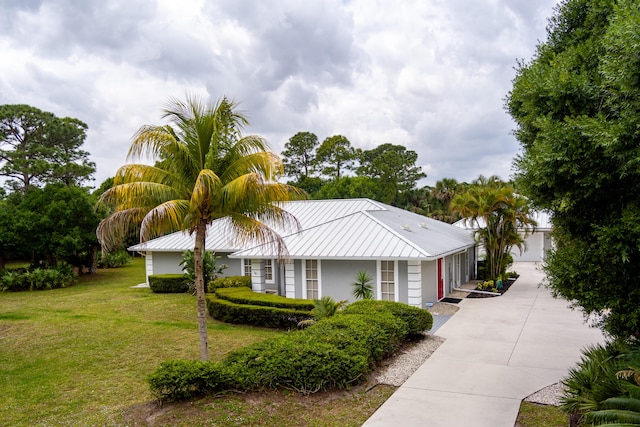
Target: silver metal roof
x: 339, y: 229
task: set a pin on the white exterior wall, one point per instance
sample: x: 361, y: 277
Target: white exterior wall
x: 414, y: 283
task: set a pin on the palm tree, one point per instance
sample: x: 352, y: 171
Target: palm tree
x: 204, y: 170
x: 499, y: 213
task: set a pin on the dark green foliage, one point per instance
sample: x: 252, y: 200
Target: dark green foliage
x: 114, y: 259
x: 39, y: 148
x: 362, y: 286
x: 209, y: 266
x: 256, y: 315
x: 169, y: 283
x: 243, y: 295
x: 576, y: 105
x: 335, y: 352
x: 229, y: 282
x: 37, y: 278
x: 182, y: 379
x: 416, y: 319
x: 297, y: 361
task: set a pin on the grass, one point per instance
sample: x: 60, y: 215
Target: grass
x: 535, y: 415
x: 80, y: 356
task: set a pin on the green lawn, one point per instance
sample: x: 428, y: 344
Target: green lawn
x: 80, y: 355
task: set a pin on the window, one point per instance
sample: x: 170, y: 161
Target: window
x: 387, y: 281
x: 268, y: 270
x: 312, y: 279
x: 246, y: 267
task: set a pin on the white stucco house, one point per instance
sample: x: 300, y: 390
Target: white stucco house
x: 537, y: 242
x: 411, y: 258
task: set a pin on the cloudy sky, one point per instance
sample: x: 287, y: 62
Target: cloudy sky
x: 428, y: 74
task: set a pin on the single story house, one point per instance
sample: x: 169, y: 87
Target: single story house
x: 411, y: 258
x: 536, y: 243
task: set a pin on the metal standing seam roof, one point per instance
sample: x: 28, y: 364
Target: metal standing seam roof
x: 338, y: 229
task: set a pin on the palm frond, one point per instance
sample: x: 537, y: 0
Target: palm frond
x: 165, y: 218
x: 115, y: 227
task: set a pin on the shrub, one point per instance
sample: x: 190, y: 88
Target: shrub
x: 209, y: 267
x: 229, y: 282
x: 416, y: 319
x: 169, y: 283
x: 362, y: 286
x: 181, y: 379
x: 256, y: 315
x: 244, y: 295
x: 296, y: 361
x: 37, y: 278
x: 114, y: 259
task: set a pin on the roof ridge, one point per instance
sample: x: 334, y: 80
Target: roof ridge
x: 398, y: 235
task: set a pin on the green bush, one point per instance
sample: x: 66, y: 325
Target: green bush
x: 417, y: 319
x: 296, y: 361
x: 114, y: 259
x: 375, y: 335
x: 229, y: 282
x: 181, y: 379
x: 169, y: 283
x: 256, y: 315
x: 244, y: 295
x: 37, y: 278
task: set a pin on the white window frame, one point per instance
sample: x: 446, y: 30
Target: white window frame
x: 304, y: 277
x: 267, y: 269
x: 395, y: 279
x: 244, y: 264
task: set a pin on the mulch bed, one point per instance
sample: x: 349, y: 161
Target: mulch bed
x: 505, y: 287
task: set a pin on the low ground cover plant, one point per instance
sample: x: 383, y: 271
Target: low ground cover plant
x: 334, y: 353
x: 38, y: 278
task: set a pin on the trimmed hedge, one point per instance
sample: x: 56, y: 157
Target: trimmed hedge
x: 229, y: 282
x: 181, y: 379
x: 244, y: 295
x: 335, y: 352
x: 416, y: 319
x: 255, y: 315
x: 169, y: 283
x: 297, y: 361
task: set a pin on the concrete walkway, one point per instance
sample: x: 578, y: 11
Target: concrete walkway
x: 497, y: 352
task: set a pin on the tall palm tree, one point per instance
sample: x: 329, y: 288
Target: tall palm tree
x: 499, y: 214
x: 204, y: 170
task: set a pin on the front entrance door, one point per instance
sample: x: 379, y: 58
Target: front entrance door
x: 440, y: 279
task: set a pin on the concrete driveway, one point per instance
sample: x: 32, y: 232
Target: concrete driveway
x: 497, y: 352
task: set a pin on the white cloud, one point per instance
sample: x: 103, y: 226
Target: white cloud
x: 431, y: 75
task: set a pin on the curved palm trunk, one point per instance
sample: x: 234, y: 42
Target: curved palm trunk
x: 198, y: 252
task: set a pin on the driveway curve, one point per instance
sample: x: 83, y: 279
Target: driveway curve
x: 497, y: 352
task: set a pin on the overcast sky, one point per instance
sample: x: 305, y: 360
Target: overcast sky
x: 427, y: 74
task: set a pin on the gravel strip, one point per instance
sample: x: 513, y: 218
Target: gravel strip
x: 401, y: 366
x: 548, y: 396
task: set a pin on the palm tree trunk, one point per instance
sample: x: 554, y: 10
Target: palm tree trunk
x: 198, y: 252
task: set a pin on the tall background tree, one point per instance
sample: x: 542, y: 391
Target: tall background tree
x: 576, y: 105
x: 205, y: 170
x: 38, y: 148
x: 299, y: 155
x: 394, y: 168
x: 335, y: 156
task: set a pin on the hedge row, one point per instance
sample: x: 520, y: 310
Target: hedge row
x: 255, y: 315
x: 169, y: 283
x: 229, y: 282
x: 244, y: 295
x: 335, y: 352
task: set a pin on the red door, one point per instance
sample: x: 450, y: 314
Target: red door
x: 440, y: 280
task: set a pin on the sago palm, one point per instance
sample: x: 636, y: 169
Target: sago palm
x: 204, y: 170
